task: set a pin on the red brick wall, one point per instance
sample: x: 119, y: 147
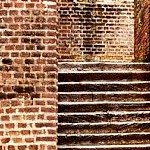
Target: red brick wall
x: 142, y: 30
x: 28, y: 75
x: 96, y: 31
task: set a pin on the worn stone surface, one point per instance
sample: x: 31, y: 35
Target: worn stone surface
x: 101, y: 111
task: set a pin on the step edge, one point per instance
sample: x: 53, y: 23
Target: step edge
x: 103, y: 72
x: 102, y: 102
x: 103, y: 113
x: 108, y: 62
x: 107, y: 146
x: 106, y: 92
x: 104, y: 134
x: 103, y: 82
x: 107, y: 123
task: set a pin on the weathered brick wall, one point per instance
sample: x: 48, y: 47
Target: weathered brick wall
x: 142, y: 30
x: 28, y: 75
x: 96, y: 30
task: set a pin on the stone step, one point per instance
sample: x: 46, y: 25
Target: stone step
x: 110, y: 116
x: 104, y: 139
x: 104, y: 86
x: 103, y: 127
x: 103, y: 96
x: 102, y: 106
x: 101, y: 66
x: 106, y: 147
x: 79, y: 76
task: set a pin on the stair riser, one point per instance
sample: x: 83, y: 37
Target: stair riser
x: 78, y: 77
x: 104, y: 140
x: 103, y: 107
x: 102, y: 118
x: 121, y: 148
x: 103, y: 67
x: 102, y: 97
x: 106, y: 128
x: 104, y: 87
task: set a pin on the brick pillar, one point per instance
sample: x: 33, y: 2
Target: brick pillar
x: 142, y: 30
x: 28, y: 75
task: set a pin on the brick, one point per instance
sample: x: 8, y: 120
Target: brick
x: 45, y: 139
x: 11, y: 147
x: 10, y: 125
x: 5, y: 140
x: 40, y: 125
x: 5, y: 118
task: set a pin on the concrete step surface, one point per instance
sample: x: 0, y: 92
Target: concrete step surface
x: 79, y: 76
x: 104, y: 139
x: 123, y: 96
x: 103, y: 106
x: 104, y: 86
x: 103, y: 66
x: 103, y: 127
x: 109, y: 116
x: 106, y: 147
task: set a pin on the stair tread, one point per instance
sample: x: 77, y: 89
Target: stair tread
x: 103, y: 102
x: 124, y: 63
x: 105, y: 134
x: 104, y: 82
x: 105, y: 92
x: 102, y: 113
x: 106, y: 123
x: 103, y: 72
x: 106, y: 146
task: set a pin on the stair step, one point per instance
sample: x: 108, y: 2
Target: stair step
x: 110, y: 116
x: 100, y: 66
x: 104, y: 138
x: 103, y: 127
x: 106, y: 147
x: 103, y: 106
x: 79, y: 76
x: 104, y: 86
x: 103, y: 96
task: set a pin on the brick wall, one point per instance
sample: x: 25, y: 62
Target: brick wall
x: 28, y: 75
x: 142, y: 30
x: 96, y: 30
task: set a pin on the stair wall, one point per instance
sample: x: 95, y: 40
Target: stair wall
x: 98, y: 30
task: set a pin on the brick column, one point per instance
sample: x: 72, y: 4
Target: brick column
x: 28, y: 75
x: 142, y: 30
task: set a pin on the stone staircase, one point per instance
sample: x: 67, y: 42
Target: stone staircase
x: 104, y: 106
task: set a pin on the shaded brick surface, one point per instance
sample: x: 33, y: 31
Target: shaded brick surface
x: 96, y: 30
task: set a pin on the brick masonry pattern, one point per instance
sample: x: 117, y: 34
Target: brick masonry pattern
x: 28, y: 75
x: 96, y: 30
